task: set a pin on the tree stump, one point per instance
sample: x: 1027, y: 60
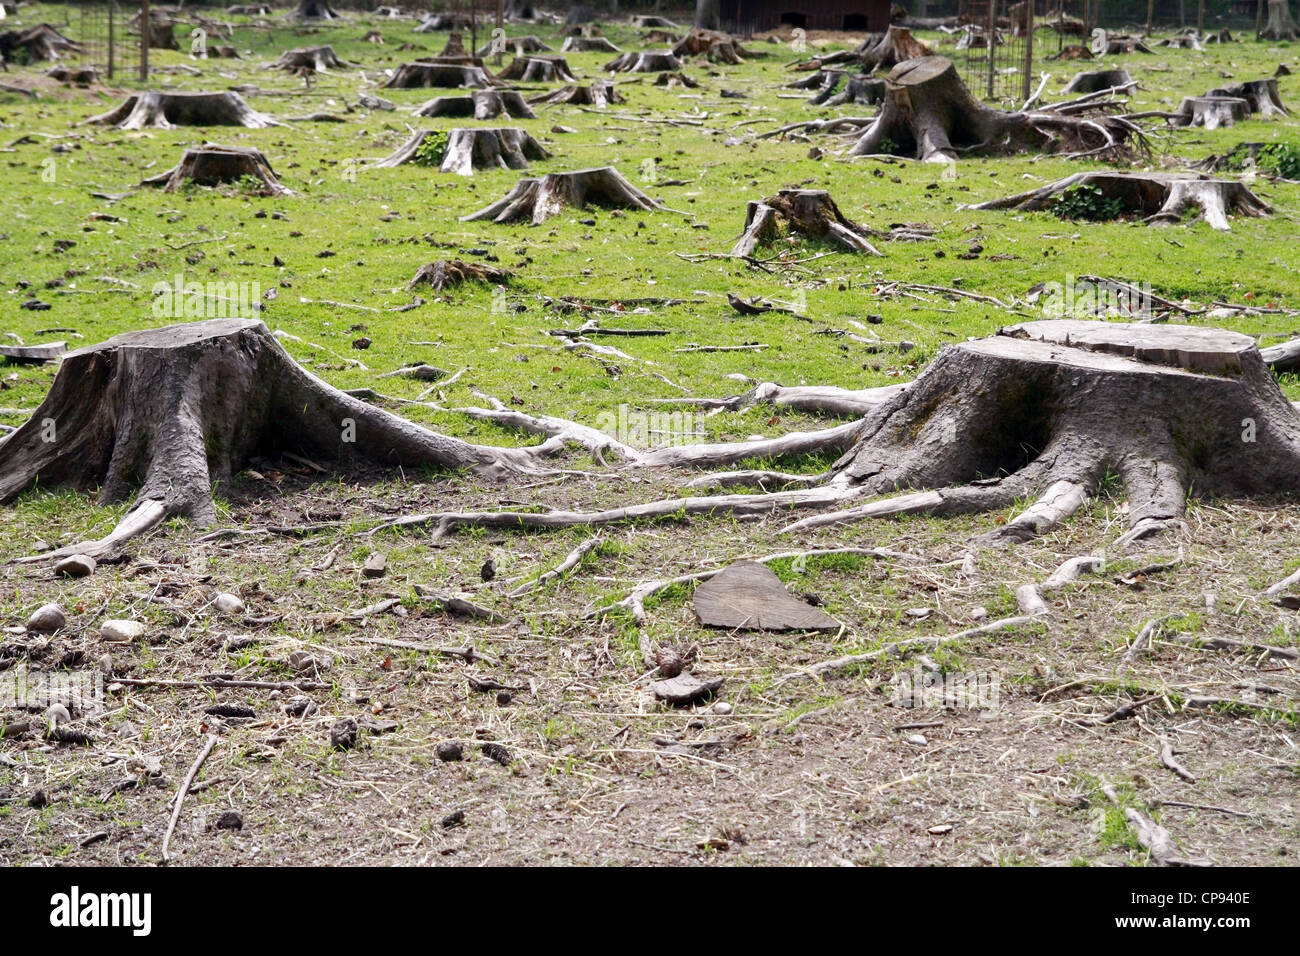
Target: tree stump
x: 671, y: 80
x: 648, y: 22
x: 1072, y: 52
x: 538, y: 69
x: 169, y: 110
x: 471, y: 149
x: 646, y: 61
x: 443, y: 21
x: 588, y: 44
x: 1261, y: 95
x: 313, y: 10
x: 1052, y: 406
x: 1281, y: 25
x: 74, y: 76
x: 423, y: 74
x: 482, y: 105
x: 445, y: 273
x: 810, y: 213
x: 929, y: 114
x: 1098, y: 80
x: 1158, y: 198
x: 858, y: 88
x: 1116, y: 44
x: 599, y: 95
x: 210, y: 165
x: 582, y: 30
x: 41, y: 42
x: 520, y: 46
x: 539, y: 199
x: 320, y: 59
x: 1211, y: 111
x: 714, y: 46
x: 178, y: 410
x: 896, y: 46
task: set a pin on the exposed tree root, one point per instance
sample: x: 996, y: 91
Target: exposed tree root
x: 481, y: 104
x: 169, y: 110
x: 539, y: 199
x: 810, y: 213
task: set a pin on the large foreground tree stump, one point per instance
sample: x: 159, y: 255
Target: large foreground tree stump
x: 482, y: 105
x: 1281, y: 25
x: 424, y: 74
x: 1211, y: 111
x: 1261, y: 95
x: 646, y: 61
x: 1158, y: 198
x: 810, y: 213
x: 319, y: 59
x: 1097, y: 81
x: 176, y: 411
x: 1052, y: 406
x: 588, y: 44
x: 539, y: 199
x: 211, y: 165
x: 599, y: 95
x: 169, y: 110
x: 929, y: 114
x: 538, y: 69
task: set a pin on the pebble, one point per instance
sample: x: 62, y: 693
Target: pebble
x: 47, y: 619
x: 228, y: 603
x: 941, y: 829
x: 76, y: 566
x: 121, y: 632
x: 376, y: 565
x: 979, y: 614
x: 300, y: 706
x: 722, y: 708
x: 918, y: 739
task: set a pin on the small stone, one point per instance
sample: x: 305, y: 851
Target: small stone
x: 449, y: 751
x: 47, y: 619
x: 979, y: 614
x: 301, y: 661
x: 504, y: 697
x: 343, y: 735
x: 230, y: 820
x: 300, y: 706
x: 39, y: 800
x: 121, y: 632
x: 722, y: 708
x: 917, y: 740
x: 376, y: 565
x: 941, y: 829
x: 685, y: 689
x: 75, y: 566
x: 228, y: 603
x: 453, y: 820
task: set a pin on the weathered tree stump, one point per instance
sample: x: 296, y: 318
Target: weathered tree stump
x: 975, y: 37
x: 162, y: 34
x: 588, y: 44
x: 810, y: 213
x: 320, y: 59
x: 858, y: 88
x: 444, y: 21
x: 313, y: 10
x: 896, y: 46
x: 671, y: 80
x: 649, y: 22
x: 929, y: 114
x: 210, y: 165
x: 1116, y: 44
x: 41, y: 42
x: 482, y: 105
x: 1182, y: 41
x: 1261, y: 95
x: 174, y: 412
x: 1158, y: 198
x: 445, y: 273
x: 520, y: 46
x: 538, y: 69
x: 169, y: 110
x: 646, y: 61
x: 1072, y: 51
x: 539, y: 199
x: 1281, y: 25
x: 1211, y: 111
x: 249, y: 10
x: 423, y: 74
x: 471, y: 149
x: 598, y: 94
x: 74, y: 76
x: 1098, y: 80
x: 582, y: 30
x: 712, y: 45
x: 1049, y: 407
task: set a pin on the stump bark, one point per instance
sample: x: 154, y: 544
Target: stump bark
x: 1211, y: 111
x: 210, y: 165
x: 539, y: 199
x: 538, y: 69
x: 482, y: 105
x: 599, y: 94
x: 320, y: 59
x: 1096, y: 81
x: 169, y: 110
x: 646, y: 61
x: 810, y: 213
x: 713, y: 46
x: 1159, y: 198
x: 929, y: 114
x: 520, y: 46
x: 1281, y: 25
x: 313, y: 10
x: 588, y: 44
x: 445, y: 273
x: 897, y: 45
x: 1116, y: 44
x: 41, y: 42
x: 857, y: 88
x: 1052, y: 406
x: 471, y: 149
x: 423, y: 74
x: 1261, y: 95
x: 173, y: 412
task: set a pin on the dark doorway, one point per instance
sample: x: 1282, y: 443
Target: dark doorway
x: 794, y: 19
x: 855, y: 21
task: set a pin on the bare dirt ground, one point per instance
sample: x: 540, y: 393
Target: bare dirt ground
x: 587, y: 767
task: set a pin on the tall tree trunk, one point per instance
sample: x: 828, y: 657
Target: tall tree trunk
x: 707, y: 16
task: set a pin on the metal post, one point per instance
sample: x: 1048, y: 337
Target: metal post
x: 1027, y: 86
x: 144, y: 40
x: 112, y: 10
x: 1200, y: 18
x: 989, y: 41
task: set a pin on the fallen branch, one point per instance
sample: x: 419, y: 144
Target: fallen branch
x: 179, y: 800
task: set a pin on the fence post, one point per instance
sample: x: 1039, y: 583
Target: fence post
x: 145, y: 23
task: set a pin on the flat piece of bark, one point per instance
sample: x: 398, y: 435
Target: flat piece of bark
x: 749, y: 597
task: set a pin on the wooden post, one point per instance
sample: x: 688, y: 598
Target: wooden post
x: 473, y: 27
x: 990, y: 40
x: 1151, y: 14
x: 144, y: 40
x: 1027, y: 86
x: 501, y: 25
x: 112, y: 11
x: 1200, y: 18
x: 1259, y: 18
